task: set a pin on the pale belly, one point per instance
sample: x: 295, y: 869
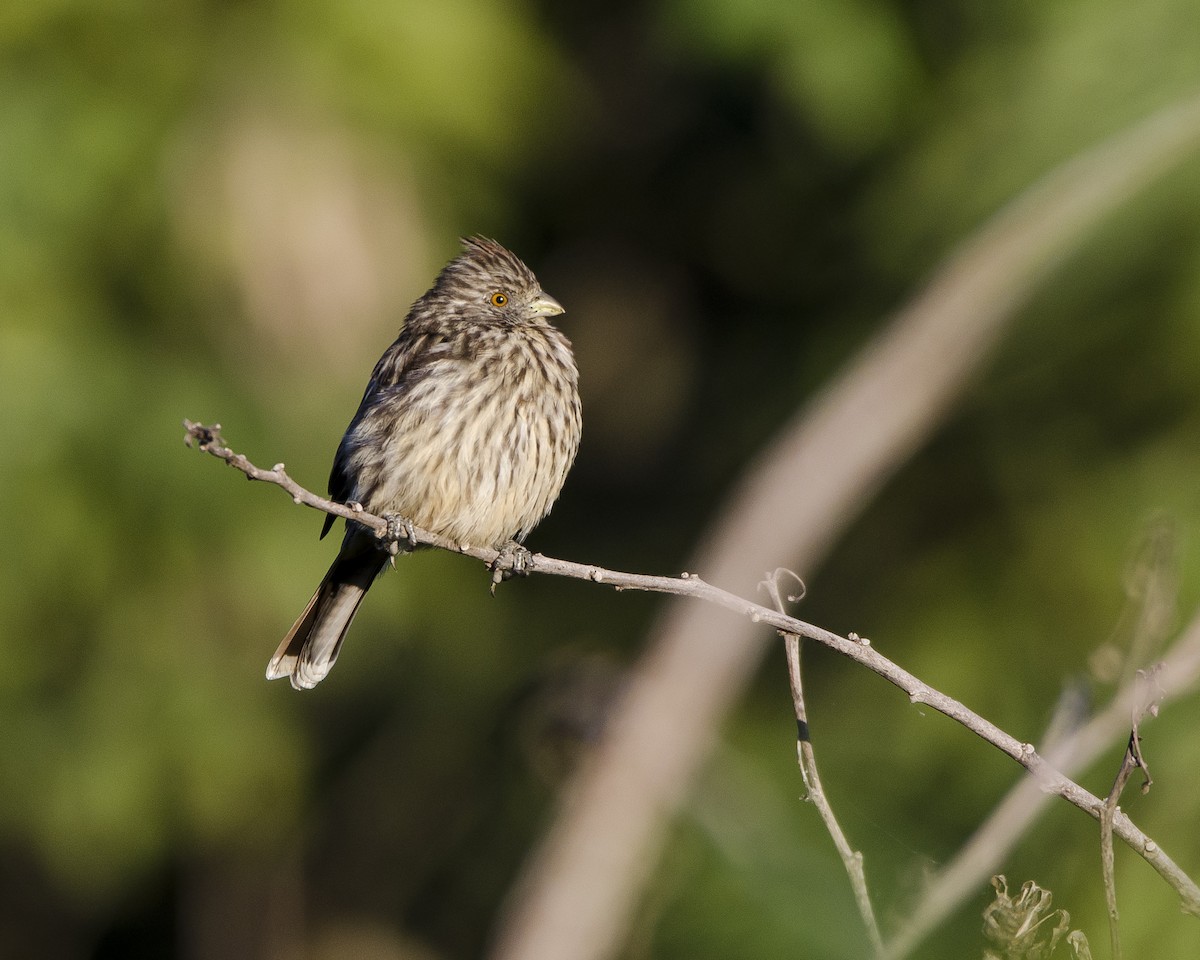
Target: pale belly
x: 476, y: 458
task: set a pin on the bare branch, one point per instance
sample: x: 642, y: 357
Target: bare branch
x: 1107, y: 859
x: 852, y: 859
x: 1130, y: 761
x: 1048, y: 778
x: 806, y: 756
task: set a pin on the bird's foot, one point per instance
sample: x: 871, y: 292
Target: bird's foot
x: 398, y: 528
x: 513, y: 560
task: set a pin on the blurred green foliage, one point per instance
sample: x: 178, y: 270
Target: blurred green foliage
x: 221, y: 211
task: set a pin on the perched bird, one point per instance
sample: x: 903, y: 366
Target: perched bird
x: 467, y: 429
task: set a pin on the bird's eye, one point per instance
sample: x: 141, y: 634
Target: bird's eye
x: 499, y: 299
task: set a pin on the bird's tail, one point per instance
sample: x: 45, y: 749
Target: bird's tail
x: 308, y: 651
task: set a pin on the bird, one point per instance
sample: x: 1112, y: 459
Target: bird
x: 467, y: 428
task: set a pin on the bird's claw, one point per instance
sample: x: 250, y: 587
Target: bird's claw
x: 513, y: 560
x: 398, y: 528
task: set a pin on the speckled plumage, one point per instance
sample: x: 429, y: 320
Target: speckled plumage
x: 467, y: 428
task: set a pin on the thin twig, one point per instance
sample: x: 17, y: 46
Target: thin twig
x: 690, y: 585
x: 852, y: 859
x: 1107, y: 864
x: 806, y: 756
x: 1132, y: 760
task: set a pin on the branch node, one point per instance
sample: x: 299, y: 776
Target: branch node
x: 770, y: 583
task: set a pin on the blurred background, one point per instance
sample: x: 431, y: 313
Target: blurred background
x: 222, y: 211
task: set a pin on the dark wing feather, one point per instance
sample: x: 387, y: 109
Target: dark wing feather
x: 399, y: 363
